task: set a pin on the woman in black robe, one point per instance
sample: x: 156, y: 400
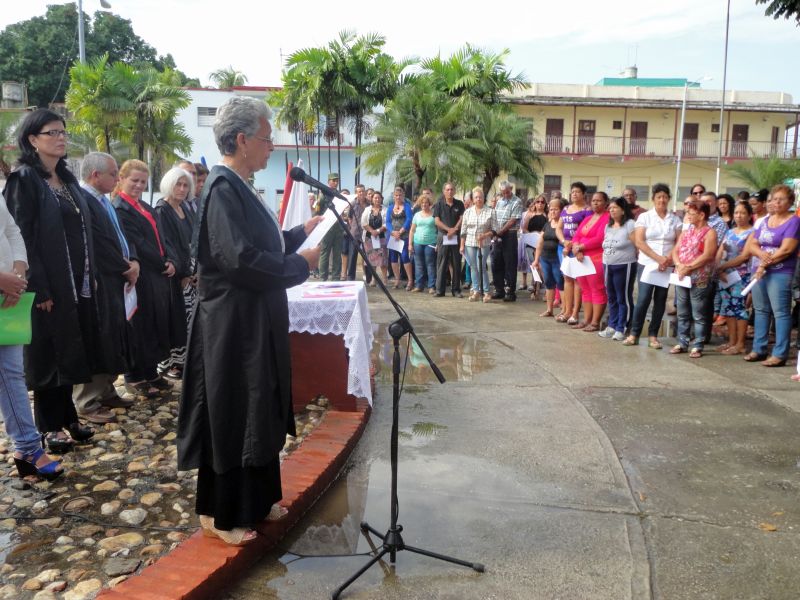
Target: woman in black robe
x: 151, y: 322
x: 236, y: 406
x: 177, y: 186
x: 48, y: 206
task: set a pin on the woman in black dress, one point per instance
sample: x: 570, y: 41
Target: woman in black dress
x: 177, y: 187
x: 49, y: 208
x: 236, y: 407
x: 151, y: 322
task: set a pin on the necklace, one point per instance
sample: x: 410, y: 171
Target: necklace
x: 63, y: 193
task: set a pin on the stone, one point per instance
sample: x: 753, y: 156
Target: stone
x: 6, y: 569
x: 111, y: 456
x: 116, y: 581
x: 45, y: 595
x: 39, y: 506
x: 32, y: 585
x: 63, y: 549
x: 8, y: 591
x: 170, y: 436
x: 81, y: 486
x: 48, y: 575
x: 78, y: 504
x: 96, y: 451
x: 82, y: 531
x: 84, y: 590
x: 150, y: 499
x: 176, y: 536
x: 107, y: 486
x: 152, y: 550
x: 80, y: 555
x: 57, y: 586
x: 135, y: 467
x: 20, y: 485
x: 169, y: 487
x: 126, y: 494
x: 109, y: 508
x: 51, y: 522
x: 64, y: 539
x: 124, y: 540
x: 133, y: 516
x: 7, y: 524
x: 114, y: 567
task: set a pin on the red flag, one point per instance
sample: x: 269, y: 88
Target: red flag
x: 287, y: 193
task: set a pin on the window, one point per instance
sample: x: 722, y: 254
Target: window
x: 616, y: 125
x: 552, y: 183
x: 715, y: 128
x: 205, y: 116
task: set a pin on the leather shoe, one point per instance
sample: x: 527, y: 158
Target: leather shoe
x: 440, y: 295
x: 498, y: 296
x: 510, y: 298
x: 116, y: 402
x: 99, y: 416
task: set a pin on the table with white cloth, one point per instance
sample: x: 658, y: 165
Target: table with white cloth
x: 330, y: 336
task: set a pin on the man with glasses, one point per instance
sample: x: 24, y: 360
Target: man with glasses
x: 698, y: 189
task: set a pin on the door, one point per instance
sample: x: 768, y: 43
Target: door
x: 773, y: 142
x: 638, y: 138
x: 690, y: 133
x: 586, y: 137
x: 554, y: 136
x: 552, y: 183
x: 739, y: 140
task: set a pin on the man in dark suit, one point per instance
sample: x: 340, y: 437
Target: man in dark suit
x: 114, y: 269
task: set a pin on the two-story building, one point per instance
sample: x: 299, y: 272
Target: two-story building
x: 625, y: 132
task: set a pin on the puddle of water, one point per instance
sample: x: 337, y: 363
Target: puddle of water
x: 460, y: 358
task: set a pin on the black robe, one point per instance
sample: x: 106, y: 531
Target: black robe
x: 150, y: 324
x: 57, y: 354
x: 178, y: 238
x: 113, y: 335
x: 235, y: 409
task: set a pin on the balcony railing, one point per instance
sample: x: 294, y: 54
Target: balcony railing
x: 658, y: 147
x: 282, y: 137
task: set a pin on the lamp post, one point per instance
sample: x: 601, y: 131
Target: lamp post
x: 81, y: 41
x: 722, y: 105
x: 680, y: 140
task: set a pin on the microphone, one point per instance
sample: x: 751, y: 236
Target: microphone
x: 299, y: 175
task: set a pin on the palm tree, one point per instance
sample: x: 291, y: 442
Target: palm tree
x: 228, y: 77
x: 8, y: 125
x: 501, y: 142
x: 765, y: 172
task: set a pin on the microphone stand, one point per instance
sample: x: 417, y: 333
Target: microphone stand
x: 392, y: 539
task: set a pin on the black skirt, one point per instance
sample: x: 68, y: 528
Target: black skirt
x: 240, y: 497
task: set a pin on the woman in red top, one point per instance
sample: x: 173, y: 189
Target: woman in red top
x: 588, y: 242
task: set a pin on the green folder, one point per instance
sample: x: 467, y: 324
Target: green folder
x: 15, y: 322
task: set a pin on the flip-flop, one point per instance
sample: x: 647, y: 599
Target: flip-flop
x: 695, y: 353
x: 677, y: 349
x: 277, y: 512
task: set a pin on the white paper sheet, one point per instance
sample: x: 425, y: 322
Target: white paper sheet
x: 131, y: 301
x: 396, y: 245
x: 531, y: 239
x: 450, y: 241
x: 328, y: 221
x: 681, y: 281
x: 749, y: 287
x: 653, y: 276
x: 566, y: 267
x: 730, y: 279
x: 376, y: 241
x: 578, y: 269
x: 535, y: 274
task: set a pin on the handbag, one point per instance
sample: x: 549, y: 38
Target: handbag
x: 15, y: 322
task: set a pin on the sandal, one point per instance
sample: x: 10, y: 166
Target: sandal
x: 654, y: 344
x: 677, y: 349
x: 572, y: 321
x: 28, y: 464
x: 143, y: 388
x: 630, y: 341
x: 277, y: 512
x: 754, y: 357
x: 731, y: 350
x: 591, y: 328
x: 695, y: 353
x: 235, y: 537
x: 774, y: 361
x: 561, y: 318
x: 722, y: 347
x: 57, y: 442
x: 579, y: 325
x: 546, y: 313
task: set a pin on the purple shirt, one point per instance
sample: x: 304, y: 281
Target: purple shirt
x: 771, y: 238
x: 571, y: 221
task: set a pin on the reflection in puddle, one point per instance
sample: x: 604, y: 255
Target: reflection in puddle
x: 459, y: 358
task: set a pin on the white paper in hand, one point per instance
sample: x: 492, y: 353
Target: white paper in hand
x: 535, y: 274
x: 328, y: 221
x: 450, y: 241
x: 684, y: 281
x: 396, y: 245
x: 730, y: 279
x: 131, y: 301
x: 653, y: 276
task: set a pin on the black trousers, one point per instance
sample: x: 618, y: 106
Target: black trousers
x: 53, y: 409
x: 447, y: 257
x: 504, y: 264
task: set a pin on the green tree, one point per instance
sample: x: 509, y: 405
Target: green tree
x: 765, y: 172
x: 788, y: 9
x: 228, y: 77
x: 8, y: 126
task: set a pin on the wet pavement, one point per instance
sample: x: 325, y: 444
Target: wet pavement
x: 571, y: 466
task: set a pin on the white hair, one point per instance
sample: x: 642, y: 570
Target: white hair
x: 240, y: 114
x: 505, y: 185
x: 95, y: 161
x: 171, y: 179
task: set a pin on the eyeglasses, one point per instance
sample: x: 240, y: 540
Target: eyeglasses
x: 697, y: 193
x: 54, y: 133
x: 263, y: 139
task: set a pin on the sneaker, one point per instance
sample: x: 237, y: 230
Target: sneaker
x: 608, y: 332
x: 618, y: 336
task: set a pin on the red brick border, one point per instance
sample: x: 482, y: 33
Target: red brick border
x: 200, y: 567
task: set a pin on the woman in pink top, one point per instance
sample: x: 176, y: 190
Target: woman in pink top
x: 588, y: 242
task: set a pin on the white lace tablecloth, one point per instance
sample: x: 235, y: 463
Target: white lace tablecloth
x: 340, y: 308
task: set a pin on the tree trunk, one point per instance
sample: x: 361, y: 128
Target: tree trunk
x: 297, y: 144
x: 107, y: 136
x: 319, y: 146
x: 338, y: 150
x: 359, y: 133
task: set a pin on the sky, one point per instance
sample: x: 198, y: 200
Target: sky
x: 571, y: 41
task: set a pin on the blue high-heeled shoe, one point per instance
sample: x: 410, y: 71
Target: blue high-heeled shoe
x: 26, y: 465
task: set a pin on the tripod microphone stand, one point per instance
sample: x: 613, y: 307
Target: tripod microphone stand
x: 392, y: 539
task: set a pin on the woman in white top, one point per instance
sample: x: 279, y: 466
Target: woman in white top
x: 15, y: 407
x: 477, y: 227
x: 654, y: 235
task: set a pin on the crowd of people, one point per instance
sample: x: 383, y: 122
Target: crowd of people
x: 709, y: 253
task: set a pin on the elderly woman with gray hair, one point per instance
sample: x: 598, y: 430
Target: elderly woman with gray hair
x: 236, y: 407
x: 177, y: 222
